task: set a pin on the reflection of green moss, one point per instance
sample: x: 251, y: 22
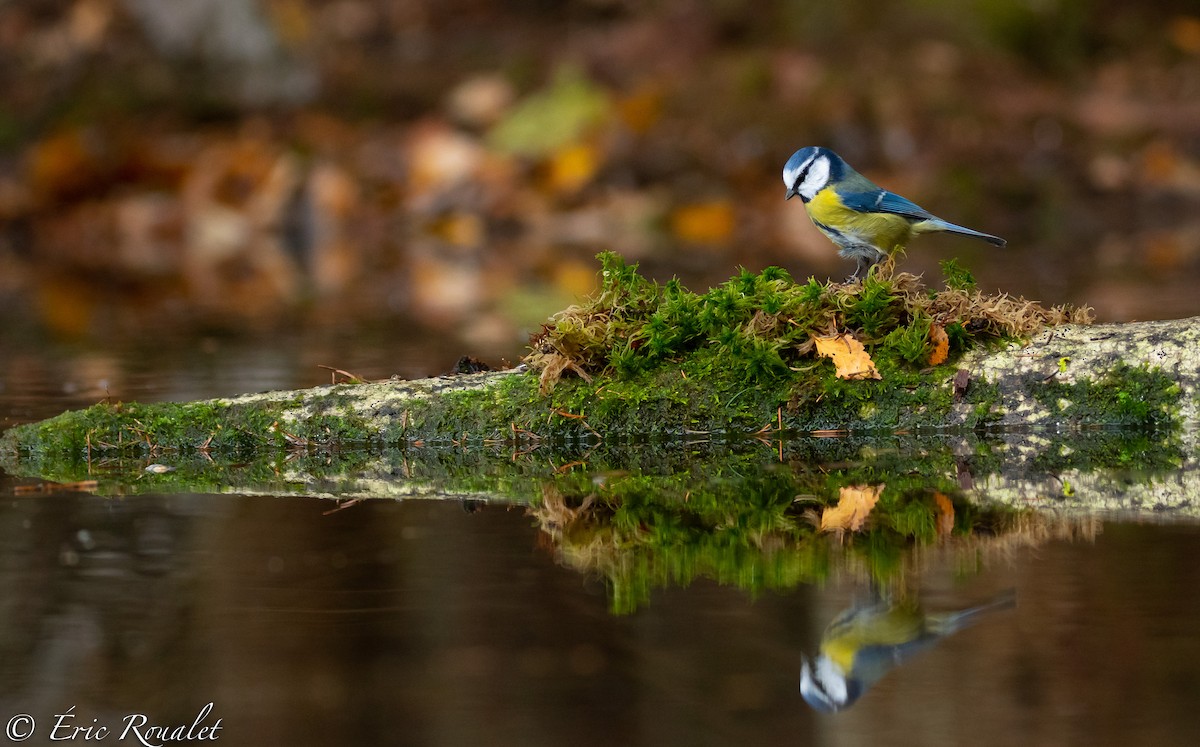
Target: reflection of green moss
x: 1113, y: 449
x: 753, y: 528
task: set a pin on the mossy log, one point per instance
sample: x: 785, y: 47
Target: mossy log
x: 1138, y: 375
x: 642, y: 360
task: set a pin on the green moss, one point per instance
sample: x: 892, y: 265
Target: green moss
x: 957, y: 277
x: 665, y: 359
x: 1126, y: 396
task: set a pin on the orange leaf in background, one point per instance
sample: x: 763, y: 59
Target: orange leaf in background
x: 941, y: 345
x: 572, y: 167
x: 945, y: 515
x: 641, y: 110
x: 704, y: 222
x: 854, y: 506
x: 849, y: 357
x: 1185, y: 33
x: 575, y: 277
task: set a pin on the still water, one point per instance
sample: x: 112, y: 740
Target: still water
x: 439, y: 622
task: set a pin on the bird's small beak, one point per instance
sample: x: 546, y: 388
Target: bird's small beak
x: 790, y: 193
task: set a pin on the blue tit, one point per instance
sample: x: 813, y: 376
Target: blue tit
x: 866, y: 221
x: 867, y: 641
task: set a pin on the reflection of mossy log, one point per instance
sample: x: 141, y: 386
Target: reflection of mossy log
x: 739, y: 359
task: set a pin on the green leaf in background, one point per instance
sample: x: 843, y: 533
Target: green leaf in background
x: 553, y: 117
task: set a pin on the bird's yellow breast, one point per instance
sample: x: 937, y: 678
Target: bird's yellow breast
x: 885, y: 231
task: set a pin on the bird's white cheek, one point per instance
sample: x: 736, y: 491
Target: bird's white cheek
x: 816, y: 178
x: 833, y: 679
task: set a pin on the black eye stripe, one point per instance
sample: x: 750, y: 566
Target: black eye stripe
x: 804, y: 171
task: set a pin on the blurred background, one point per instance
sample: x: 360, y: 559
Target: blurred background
x: 439, y: 174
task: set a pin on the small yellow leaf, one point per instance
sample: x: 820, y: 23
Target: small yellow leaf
x: 854, y: 506
x: 941, y: 345
x: 849, y: 357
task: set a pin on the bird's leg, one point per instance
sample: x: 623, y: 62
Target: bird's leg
x: 863, y: 266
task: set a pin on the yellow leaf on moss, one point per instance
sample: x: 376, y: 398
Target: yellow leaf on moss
x: 848, y: 355
x: 854, y: 506
x: 941, y: 345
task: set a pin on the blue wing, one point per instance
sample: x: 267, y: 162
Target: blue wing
x: 882, y: 201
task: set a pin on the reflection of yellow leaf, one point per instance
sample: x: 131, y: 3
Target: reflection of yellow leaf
x: 945, y: 515
x: 704, y: 222
x: 941, y: 345
x: 854, y: 506
x: 849, y: 356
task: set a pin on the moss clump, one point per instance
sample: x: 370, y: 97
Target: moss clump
x: 752, y: 338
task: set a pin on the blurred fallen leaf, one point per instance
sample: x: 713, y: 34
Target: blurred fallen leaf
x: 705, y: 222
x: 481, y: 101
x: 641, y: 110
x: 572, y: 167
x: 1162, y: 250
x: 848, y: 355
x: 575, y: 277
x: 941, y: 344
x: 1185, y: 33
x: 88, y: 22
x: 446, y: 284
x: 549, y: 119
x: 441, y: 158
x: 458, y: 228
x: 945, y: 514
x: 63, y: 164
x: 854, y: 506
x: 66, y: 304
x: 1159, y: 160
x: 292, y: 20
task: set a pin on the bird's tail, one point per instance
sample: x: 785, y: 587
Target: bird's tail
x: 952, y: 622
x: 938, y: 224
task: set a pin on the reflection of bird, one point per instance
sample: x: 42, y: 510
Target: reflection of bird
x: 865, y: 642
x: 865, y: 221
